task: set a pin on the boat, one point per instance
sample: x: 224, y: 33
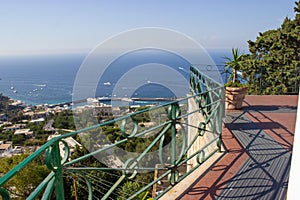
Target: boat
x: 15, y: 91
x: 107, y: 83
x: 127, y: 99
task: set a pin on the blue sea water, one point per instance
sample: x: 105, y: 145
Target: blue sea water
x: 40, y: 79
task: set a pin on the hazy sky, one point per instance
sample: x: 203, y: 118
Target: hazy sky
x: 57, y: 26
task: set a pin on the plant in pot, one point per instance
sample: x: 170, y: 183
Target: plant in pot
x: 235, y: 91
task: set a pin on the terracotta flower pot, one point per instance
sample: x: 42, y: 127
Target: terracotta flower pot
x: 234, y: 97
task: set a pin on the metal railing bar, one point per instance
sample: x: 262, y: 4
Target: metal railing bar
x: 49, y: 189
x: 202, y: 74
x: 206, y: 130
x: 183, y: 176
x: 153, y: 142
x: 113, y: 187
x: 197, y: 152
x: 151, y: 184
x: 97, y: 151
x: 87, y: 182
x: 152, y: 129
x: 84, y: 181
x: 94, y: 152
x: 197, y: 110
x: 41, y: 186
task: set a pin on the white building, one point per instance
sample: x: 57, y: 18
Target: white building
x: 37, y: 121
x: 25, y: 132
x: 71, y: 142
x: 5, y: 148
x: 103, y: 109
x: 15, y: 127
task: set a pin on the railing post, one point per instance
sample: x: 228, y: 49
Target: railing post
x: 221, y: 115
x: 53, y: 162
x: 4, y: 194
x: 173, y: 114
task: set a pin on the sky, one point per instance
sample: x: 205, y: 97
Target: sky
x: 60, y: 26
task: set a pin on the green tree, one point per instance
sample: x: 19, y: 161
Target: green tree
x: 76, y: 187
x: 22, y: 184
x: 18, y: 139
x: 64, y: 120
x: 273, y: 65
x: 128, y: 189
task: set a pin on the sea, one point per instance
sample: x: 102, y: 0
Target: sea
x: 49, y: 79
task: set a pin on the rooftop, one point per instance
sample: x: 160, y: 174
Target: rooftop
x: 23, y: 131
x: 5, y: 146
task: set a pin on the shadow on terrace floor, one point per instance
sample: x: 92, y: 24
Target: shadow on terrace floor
x: 257, y: 165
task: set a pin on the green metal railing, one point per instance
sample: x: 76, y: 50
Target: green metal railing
x: 170, y: 148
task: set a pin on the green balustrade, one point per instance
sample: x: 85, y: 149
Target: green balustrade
x: 170, y: 136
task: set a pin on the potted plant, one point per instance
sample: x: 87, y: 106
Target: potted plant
x: 234, y: 91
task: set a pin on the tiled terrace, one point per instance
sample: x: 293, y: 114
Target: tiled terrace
x: 258, y: 143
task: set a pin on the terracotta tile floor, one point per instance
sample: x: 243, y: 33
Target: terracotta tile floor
x: 275, y: 115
